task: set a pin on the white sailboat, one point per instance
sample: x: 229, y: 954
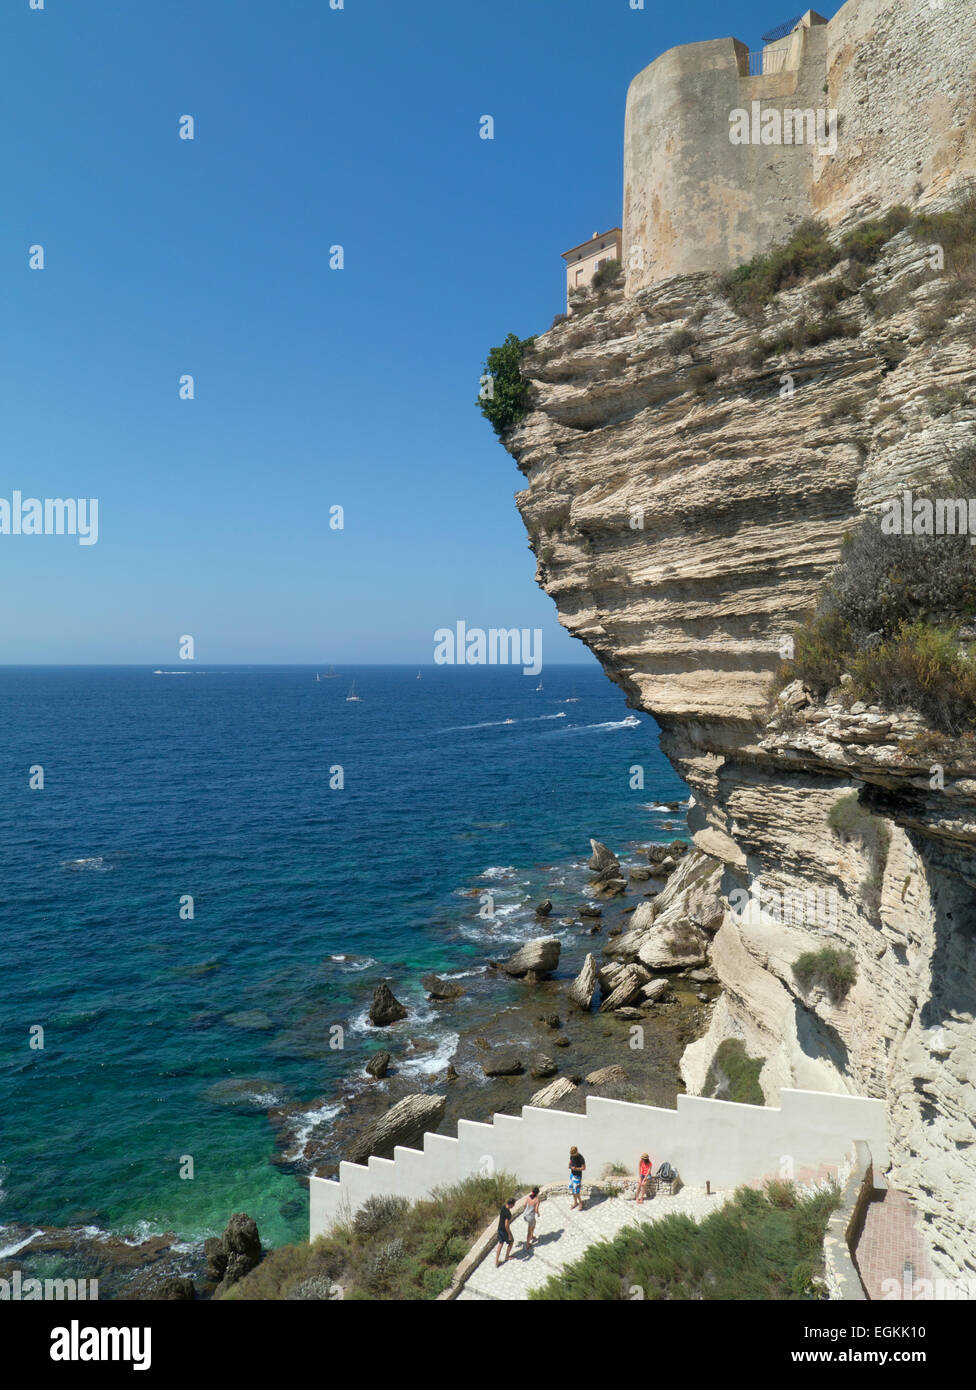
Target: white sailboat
x: 539, y: 686
x: 352, y: 694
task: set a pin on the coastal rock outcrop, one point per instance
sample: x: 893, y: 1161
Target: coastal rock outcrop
x: 685, y: 509
x: 555, y: 1092
x: 378, y: 1065
x: 441, y: 991
x: 607, y: 877
x: 404, y: 1123
x: 385, y: 1008
x: 503, y: 1061
x: 583, y: 988
x: 233, y: 1254
x: 536, y: 957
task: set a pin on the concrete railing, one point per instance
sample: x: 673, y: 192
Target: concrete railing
x: 808, y: 1135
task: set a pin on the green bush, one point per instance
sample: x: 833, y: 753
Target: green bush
x: 509, y: 401
x: 850, y: 820
x: 749, y: 1249
x: 865, y: 242
x: 890, y: 616
x: 953, y: 230
x: 833, y: 970
x: 680, y: 341
x: 607, y: 275
x: 390, y: 1251
x: 734, y: 1075
x: 807, y: 253
x: 925, y: 667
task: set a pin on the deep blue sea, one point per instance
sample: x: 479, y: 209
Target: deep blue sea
x: 167, y: 1037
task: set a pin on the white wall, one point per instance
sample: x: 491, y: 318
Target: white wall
x: 705, y: 1140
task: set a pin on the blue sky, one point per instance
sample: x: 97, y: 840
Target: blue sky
x: 314, y: 387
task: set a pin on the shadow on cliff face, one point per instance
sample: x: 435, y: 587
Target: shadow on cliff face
x: 819, y: 1040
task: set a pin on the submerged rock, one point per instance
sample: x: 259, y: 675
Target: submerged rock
x: 442, y: 990
x: 504, y: 1061
x: 542, y: 1066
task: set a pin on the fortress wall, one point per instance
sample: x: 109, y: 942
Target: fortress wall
x: 692, y: 199
x: 713, y: 1141
x: 902, y: 76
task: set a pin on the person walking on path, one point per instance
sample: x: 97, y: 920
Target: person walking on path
x: 577, y: 1166
x: 644, y: 1169
x: 505, y: 1236
x: 531, y: 1215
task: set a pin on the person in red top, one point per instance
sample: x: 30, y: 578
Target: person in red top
x: 644, y: 1169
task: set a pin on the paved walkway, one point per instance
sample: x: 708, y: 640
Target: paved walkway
x: 892, y: 1234
x: 563, y: 1236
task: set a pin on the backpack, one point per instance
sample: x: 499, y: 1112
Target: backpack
x: 666, y: 1172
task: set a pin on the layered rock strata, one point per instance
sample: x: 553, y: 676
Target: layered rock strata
x: 686, y: 497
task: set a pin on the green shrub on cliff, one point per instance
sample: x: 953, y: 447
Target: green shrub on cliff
x: 609, y: 273
x: 391, y: 1250
x: 865, y: 242
x: 890, y: 616
x: 833, y: 970
x: 759, y: 1247
x: 808, y: 252
x: 734, y: 1075
x: 505, y: 394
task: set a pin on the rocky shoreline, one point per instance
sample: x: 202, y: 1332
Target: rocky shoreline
x: 548, y: 1025
x: 563, y: 1029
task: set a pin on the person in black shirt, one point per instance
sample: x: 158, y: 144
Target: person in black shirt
x: 577, y: 1164
x: 505, y: 1236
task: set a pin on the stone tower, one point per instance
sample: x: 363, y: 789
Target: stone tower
x: 898, y: 77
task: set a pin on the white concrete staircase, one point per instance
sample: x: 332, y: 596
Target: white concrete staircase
x: 563, y: 1236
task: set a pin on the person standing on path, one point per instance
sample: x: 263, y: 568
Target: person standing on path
x: 505, y: 1236
x: 532, y: 1215
x: 577, y: 1166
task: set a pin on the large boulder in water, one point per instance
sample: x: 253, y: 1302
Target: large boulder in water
x: 385, y: 1008
x: 405, y: 1123
x: 378, y: 1065
x: 607, y: 876
x: 555, y: 1092
x: 536, y: 957
x: 626, y: 988
x: 583, y: 988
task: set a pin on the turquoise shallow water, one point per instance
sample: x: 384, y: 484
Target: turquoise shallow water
x: 166, y: 1037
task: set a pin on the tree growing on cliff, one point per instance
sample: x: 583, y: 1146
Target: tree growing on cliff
x: 504, y: 398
